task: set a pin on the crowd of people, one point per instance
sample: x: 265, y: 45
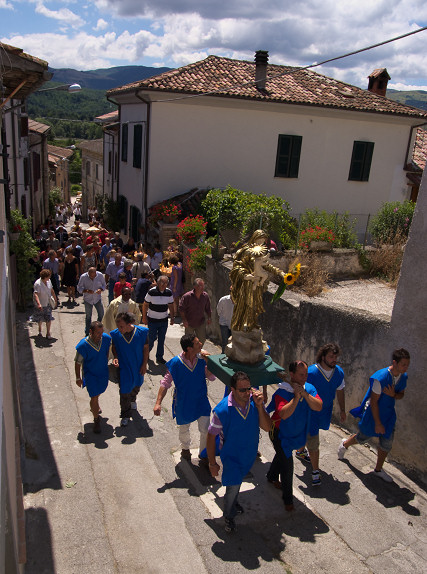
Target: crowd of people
x: 143, y: 301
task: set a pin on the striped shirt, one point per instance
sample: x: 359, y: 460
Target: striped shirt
x: 158, y: 302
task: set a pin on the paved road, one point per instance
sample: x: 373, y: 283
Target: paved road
x: 123, y: 502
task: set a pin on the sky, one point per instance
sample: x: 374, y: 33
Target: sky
x: 91, y: 34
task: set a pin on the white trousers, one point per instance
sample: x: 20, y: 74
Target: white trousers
x: 184, y: 433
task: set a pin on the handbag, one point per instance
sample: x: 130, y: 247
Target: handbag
x: 52, y: 302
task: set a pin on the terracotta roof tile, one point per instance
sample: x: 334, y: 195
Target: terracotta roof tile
x: 236, y: 79
x: 420, y: 150
x: 59, y: 151
x: 38, y: 127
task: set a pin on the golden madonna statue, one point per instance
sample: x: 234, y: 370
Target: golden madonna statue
x: 249, y: 279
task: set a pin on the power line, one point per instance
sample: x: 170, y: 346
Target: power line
x: 296, y: 69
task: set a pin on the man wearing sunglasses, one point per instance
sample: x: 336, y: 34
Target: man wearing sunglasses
x: 236, y: 419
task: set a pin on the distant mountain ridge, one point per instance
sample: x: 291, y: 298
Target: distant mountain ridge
x: 108, y: 78
x: 104, y: 78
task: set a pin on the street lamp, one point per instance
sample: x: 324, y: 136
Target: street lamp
x: 64, y: 87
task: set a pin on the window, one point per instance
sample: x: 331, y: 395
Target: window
x: 87, y: 168
x: 137, y: 146
x: 288, y: 155
x: 125, y: 131
x: 361, y: 159
x: 96, y: 171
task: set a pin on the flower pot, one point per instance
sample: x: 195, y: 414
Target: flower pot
x: 169, y: 219
x: 218, y: 253
x: 14, y: 236
x: 321, y: 246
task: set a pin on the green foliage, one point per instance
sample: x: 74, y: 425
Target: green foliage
x: 55, y: 108
x: 55, y: 197
x: 236, y: 209
x: 392, y: 222
x: 110, y: 211
x: 75, y: 189
x: 339, y: 224
x: 76, y: 167
x: 24, y: 248
x: 196, y: 260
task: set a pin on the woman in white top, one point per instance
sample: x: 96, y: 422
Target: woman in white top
x: 43, y: 291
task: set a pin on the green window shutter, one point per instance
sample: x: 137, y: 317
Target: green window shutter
x: 295, y: 155
x: 288, y: 156
x: 137, y: 146
x: 125, y: 133
x: 361, y: 160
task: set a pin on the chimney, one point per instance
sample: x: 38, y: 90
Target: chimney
x: 378, y: 81
x: 261, y: 61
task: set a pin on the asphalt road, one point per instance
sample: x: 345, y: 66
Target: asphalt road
x: 123, y: 502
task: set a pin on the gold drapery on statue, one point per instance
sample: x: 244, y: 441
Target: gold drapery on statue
x: 249, y: 280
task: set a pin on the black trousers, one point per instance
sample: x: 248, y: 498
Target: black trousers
x: 283, y: 466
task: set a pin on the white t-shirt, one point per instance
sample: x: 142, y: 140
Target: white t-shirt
x: 225, y: 310
x: 44, y: 291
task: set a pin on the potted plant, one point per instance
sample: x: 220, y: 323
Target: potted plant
x: 191, y: 229
x: 316, y: 238
x: 167, y: 212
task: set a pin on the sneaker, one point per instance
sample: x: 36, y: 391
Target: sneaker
x: 341, y: 450
x: 382, y: 474
x: 125, y: 422
x: 186, y: 454
x: 97, y: 425
x: 160, y: 360
x: 230, y: 525
x: 239, y: 508
x: 303, y: 455
x: 133, y: 405
x: 315, y: 478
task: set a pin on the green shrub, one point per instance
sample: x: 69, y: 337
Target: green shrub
x: 196, y: 260
x: 236, y: 209
x: 339, y: 224
x: 24, y: 248
x: 392, y: 222
x: 55, y: 197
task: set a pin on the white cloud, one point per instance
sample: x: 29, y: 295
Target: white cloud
x: 100, y: 25
x: 294, y: 34
x: 5, y: 4
x: 63, y: 15
x: 104, y: 51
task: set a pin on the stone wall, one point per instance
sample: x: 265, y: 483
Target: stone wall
x: 295, y: 329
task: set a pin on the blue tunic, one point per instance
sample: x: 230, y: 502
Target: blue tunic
x: 326, y: 389
x: 385, y: 404
x: 95, y: 364
x: 240, y: 445
x: 293, y: 431
x: 130, y: 354
x: 190, y: 400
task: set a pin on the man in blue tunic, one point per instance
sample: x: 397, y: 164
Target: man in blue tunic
x: 130, y: 350
x: 328, y: 379
x: 377, y: 410
x: 236, y: 419
x: 188, y: 372
x: 92, y: 355
x: 293, y: 403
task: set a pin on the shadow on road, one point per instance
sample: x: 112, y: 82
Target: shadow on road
x: 389, y: 495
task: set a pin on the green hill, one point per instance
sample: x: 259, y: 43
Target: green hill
x: 416, y: 98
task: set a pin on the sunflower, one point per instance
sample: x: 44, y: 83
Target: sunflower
x: 289, y: 279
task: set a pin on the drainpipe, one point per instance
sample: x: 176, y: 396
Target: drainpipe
x: 146, y: 151
x: 118, y: 151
